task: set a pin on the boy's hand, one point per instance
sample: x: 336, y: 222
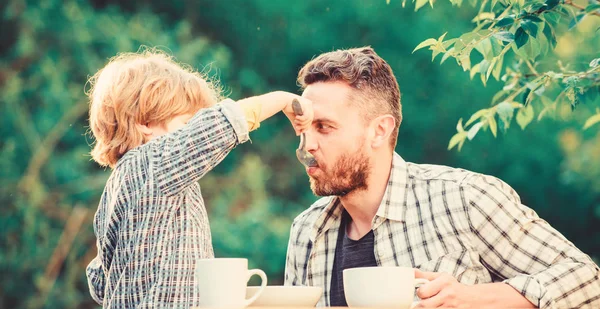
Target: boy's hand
x: 302, y: 122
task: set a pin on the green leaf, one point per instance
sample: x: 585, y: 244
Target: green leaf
x: 504, y: 36
x: 484, y: 65
x: 486, y: 49
x: 505, y: 111
x: 573, y: 94
x: 549, y: 33
x: 457, y: 138
x: 459, y: 126
x: 591, y: 121
x: 538, y: 7
x: 533, y: 18
x: 473, y: 130
x: 420, y: 3
x: 493, y: 125
x: 504, y: 22
x: 526, y: 95
x: 552, y: 17
x: 549, y: 106
x: 530, y: 28
x: 474, y: 70
x: 446, y: 55
x: 529, y: 97
x: 498, y: 68
x: 532, y: 49
x: 575, y: 21
x: 465, y: 62
x: 425, y: 43
x: 491, y: 68
x: 447, y: 43
x: 484, y: 16
x: 463, y: 40
x: 500, y: 95
x: 592, y: 7
x: 594, y: 63
x: 544, y: 45
x: 524, y: 116
x: 480, y: 113
x: 521, y: 37
x: 552, y: 3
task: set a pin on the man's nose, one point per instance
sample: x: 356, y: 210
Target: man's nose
x: 310, y: 140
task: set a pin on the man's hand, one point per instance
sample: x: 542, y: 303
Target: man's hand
x: 443, y: 290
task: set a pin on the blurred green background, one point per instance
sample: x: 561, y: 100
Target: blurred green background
x: 49, y: 187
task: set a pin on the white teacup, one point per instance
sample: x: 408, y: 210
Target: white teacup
x: 381, y: 287
x: 222, y: 282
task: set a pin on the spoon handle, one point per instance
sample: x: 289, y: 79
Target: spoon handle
x: 297, y: 107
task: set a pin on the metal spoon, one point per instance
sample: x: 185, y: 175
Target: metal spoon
x: 305, y: 157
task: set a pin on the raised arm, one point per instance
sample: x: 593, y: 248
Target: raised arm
x: 182, y: 157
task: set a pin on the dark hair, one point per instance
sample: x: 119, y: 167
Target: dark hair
x: 367, y: 73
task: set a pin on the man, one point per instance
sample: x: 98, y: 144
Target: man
x: 467, y: 233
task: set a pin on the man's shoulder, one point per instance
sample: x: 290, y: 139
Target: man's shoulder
x: 309, y: 216
x: 458, y: 177
x: 433, y: 172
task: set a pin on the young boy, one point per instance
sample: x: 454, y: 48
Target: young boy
x: 159, y: 127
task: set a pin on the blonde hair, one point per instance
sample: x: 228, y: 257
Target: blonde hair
x: 141, y: 88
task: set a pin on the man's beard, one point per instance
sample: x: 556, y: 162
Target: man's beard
x: 348, y: 174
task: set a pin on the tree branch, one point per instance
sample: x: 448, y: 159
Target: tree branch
x: 581, y: 8
x: 45, y: 148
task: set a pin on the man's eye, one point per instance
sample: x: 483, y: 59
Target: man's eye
x: 323, y: 127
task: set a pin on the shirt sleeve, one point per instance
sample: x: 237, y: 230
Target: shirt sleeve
x: 291, y: 269
x: 532, y: 257
x: 182, y: 157
x: 96, y: 278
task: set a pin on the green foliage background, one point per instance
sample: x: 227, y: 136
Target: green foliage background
x: 49, y: 187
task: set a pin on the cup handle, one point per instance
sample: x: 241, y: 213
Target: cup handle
x: 263, y: 284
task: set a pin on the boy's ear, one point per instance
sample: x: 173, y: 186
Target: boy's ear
x: 147, y: 131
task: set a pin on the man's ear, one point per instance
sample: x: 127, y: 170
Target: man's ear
x: 147, y: 131
x: 382, y: 129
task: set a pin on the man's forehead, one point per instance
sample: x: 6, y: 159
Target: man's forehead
x: 330, y: 99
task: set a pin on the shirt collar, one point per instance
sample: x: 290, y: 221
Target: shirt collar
x: 393, y: 203
x: 392, y: 207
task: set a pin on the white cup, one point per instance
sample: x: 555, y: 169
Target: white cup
x: 222, y: 282
x: 381, y: 287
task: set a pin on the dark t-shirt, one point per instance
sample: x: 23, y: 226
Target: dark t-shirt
x: 349, y: 254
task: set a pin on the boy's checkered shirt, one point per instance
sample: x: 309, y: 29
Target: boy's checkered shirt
x: 469, y: 225
x: 151, y: 224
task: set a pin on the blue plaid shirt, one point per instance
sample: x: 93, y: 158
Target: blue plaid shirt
x: 151, y: 224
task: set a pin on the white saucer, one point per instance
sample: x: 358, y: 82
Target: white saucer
x: 285, y: 296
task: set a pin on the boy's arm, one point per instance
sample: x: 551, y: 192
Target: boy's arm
x: 184, y: 156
